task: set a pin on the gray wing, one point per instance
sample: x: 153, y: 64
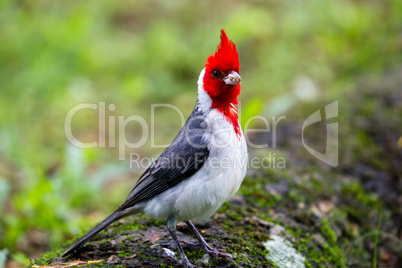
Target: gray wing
x: 184, y: 156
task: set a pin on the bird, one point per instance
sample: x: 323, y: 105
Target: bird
x: 204, y: 165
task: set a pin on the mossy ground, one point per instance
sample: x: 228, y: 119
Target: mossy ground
x: 330, y: 215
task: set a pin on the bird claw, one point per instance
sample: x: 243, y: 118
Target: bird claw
x: 217, y: 253
x: 187, y: 264
x: 213, y: 252
x: 191, y: 245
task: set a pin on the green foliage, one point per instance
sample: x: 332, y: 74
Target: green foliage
x: 46, y: 258
x: 376, y: 243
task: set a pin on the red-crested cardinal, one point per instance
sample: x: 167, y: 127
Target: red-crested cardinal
x: 205, y: 164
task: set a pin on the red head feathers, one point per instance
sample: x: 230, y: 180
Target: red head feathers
x: 221, y: 80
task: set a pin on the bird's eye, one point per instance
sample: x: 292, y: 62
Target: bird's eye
x: 216, y: 74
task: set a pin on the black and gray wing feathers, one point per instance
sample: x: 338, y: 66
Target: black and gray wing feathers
x: 185, y: 156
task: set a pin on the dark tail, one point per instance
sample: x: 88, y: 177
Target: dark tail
x: 78, y: 244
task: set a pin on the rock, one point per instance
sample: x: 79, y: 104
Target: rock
x: 113, y: 259
x: 283, y: 254
x: 205, y: 259
x: 165, y: 252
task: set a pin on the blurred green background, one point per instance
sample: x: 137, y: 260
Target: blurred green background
x: 57, y: 54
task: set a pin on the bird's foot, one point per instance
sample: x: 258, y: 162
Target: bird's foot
x: 213, y: 252
x: 189, y: 244
x: 216, y: 253
x: 186, y: 263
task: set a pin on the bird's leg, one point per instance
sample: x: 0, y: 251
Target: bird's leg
x: 171, y: 225
x: 204, y: 245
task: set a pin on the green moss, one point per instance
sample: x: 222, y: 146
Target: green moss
x: 195, y: 254
x: 316, y: 257
x: 307, y: 264
x: 248, y: 246
x: 327, y: 231
x: 48, y: 257
x: 355, y: 190
x: 253, y: 189
x: 330, y: 254
x: 124, y: 254
x: 335, y: 256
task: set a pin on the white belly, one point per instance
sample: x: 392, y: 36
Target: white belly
x: 220, y: 177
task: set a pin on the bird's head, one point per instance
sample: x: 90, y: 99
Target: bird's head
x: 222, y: 80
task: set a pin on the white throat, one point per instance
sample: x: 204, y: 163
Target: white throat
x: 204, y: 100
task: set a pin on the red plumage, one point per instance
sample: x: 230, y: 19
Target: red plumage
x: 223, y: 96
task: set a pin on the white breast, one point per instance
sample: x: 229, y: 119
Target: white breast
x: 220, y: 177
x: 199, y: 196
